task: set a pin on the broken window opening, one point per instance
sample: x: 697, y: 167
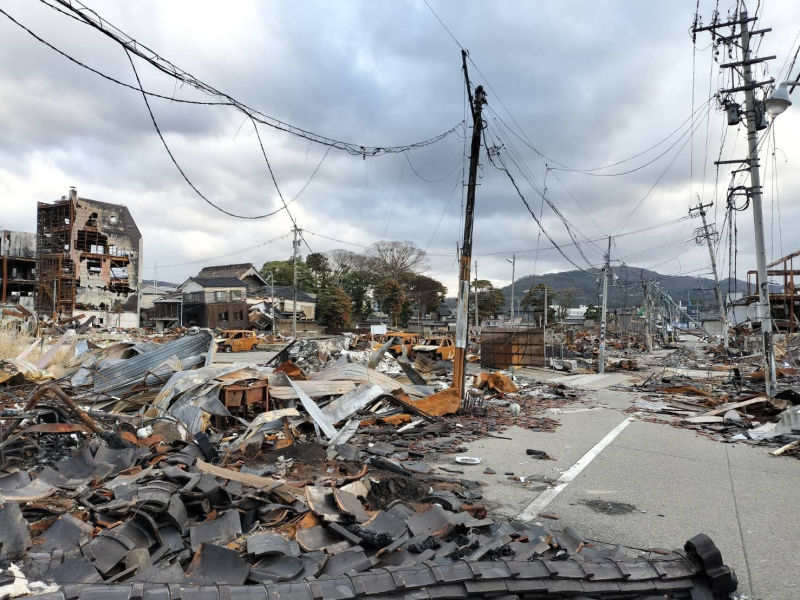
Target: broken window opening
x: 94, y: 266
x: 223, y: 316
x: 238, y: 315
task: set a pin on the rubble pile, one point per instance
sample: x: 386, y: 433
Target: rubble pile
x: 720, y: 402
x: 169, y: 516
x: 142, y: 461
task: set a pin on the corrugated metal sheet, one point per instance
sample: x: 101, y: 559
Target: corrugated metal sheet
x: 361, y: 374
x: 127, y: 373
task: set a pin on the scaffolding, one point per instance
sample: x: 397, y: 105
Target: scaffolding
x: 55, y: 270
x: 785, y: 305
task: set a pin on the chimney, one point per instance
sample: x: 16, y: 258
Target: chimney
x: 73, y: 193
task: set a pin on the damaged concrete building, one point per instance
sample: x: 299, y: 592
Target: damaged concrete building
x: 88, y: 256
x: 18, y: 258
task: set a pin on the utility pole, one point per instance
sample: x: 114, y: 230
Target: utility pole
x: 544, y: 326
x: 606, y: 270
x: 295, y: 244
x: 272, y: 300
x: 477, y: 318
x: 753, y: 111
x: 648, y: 329
x: 708, y: 235
x: 462, y: 324
x: 513, y: 262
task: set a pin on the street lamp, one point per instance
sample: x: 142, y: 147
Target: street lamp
x: 778, y: 100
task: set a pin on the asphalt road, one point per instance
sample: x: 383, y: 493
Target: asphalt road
x: 651, y: 485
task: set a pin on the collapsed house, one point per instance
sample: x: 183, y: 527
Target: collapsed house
x: 18, y: 256
x: 88, y: 257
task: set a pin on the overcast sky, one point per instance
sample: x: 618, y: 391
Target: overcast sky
x: 589, y: 83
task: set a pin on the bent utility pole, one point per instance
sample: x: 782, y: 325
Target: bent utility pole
x: 465, y: 263
x: 708, y: 234
x: 295, y: 244
x: 601, y: 364
x: 755, y: 116
x: 477, y: 317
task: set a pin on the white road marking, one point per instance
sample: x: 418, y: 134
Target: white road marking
x: 534, y: 508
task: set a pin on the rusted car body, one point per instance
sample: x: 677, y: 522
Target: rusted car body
x: 237, y: 340
x: 442, y: 347
x: 409, y: 340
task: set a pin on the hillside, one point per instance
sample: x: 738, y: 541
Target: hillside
x: 699, y: 289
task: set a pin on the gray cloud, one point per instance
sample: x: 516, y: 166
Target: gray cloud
x: 589, y: 83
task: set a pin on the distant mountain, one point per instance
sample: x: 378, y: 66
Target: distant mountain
x: 627, y: 289
x: 161, y: 283
x: 698, y: 289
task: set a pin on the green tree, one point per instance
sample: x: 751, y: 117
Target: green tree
x: 284, y: 274
x: 357, y: 284
x: 406, y: 312
x: 592, y: 313
x: 427, y: 293
x: 320, y: 267
x: 390, y: 296
x: 334, y: 307
x: 490, y: 302
x: 534, y: 298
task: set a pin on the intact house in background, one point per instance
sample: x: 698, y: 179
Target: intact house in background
x: 88, y: 256
x: 214, y: 302
x: 17, y: 269
x: 148, y: 294
x: 244, y: 272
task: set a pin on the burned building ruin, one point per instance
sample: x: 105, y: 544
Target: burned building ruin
x: 87, y: 261
x: 17, y: 262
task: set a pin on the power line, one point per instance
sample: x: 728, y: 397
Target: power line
x: 91, y: 18
x: 96, y: 72
x: 175, y: 162
x: 538, y: 222
x: 272, y: 174
x: 661, y: 176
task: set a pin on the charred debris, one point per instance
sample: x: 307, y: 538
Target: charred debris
x: 142, y: 468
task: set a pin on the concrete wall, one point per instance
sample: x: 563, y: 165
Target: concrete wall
x: 110, y: 285
x: 17, y: 244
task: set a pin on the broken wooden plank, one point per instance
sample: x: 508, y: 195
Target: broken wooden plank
x: 703, y: 419
x: 315, y: 389
x: 446, y: 402
x: 726, y: 407
x: 247, y: 479
x: 786, y: 448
